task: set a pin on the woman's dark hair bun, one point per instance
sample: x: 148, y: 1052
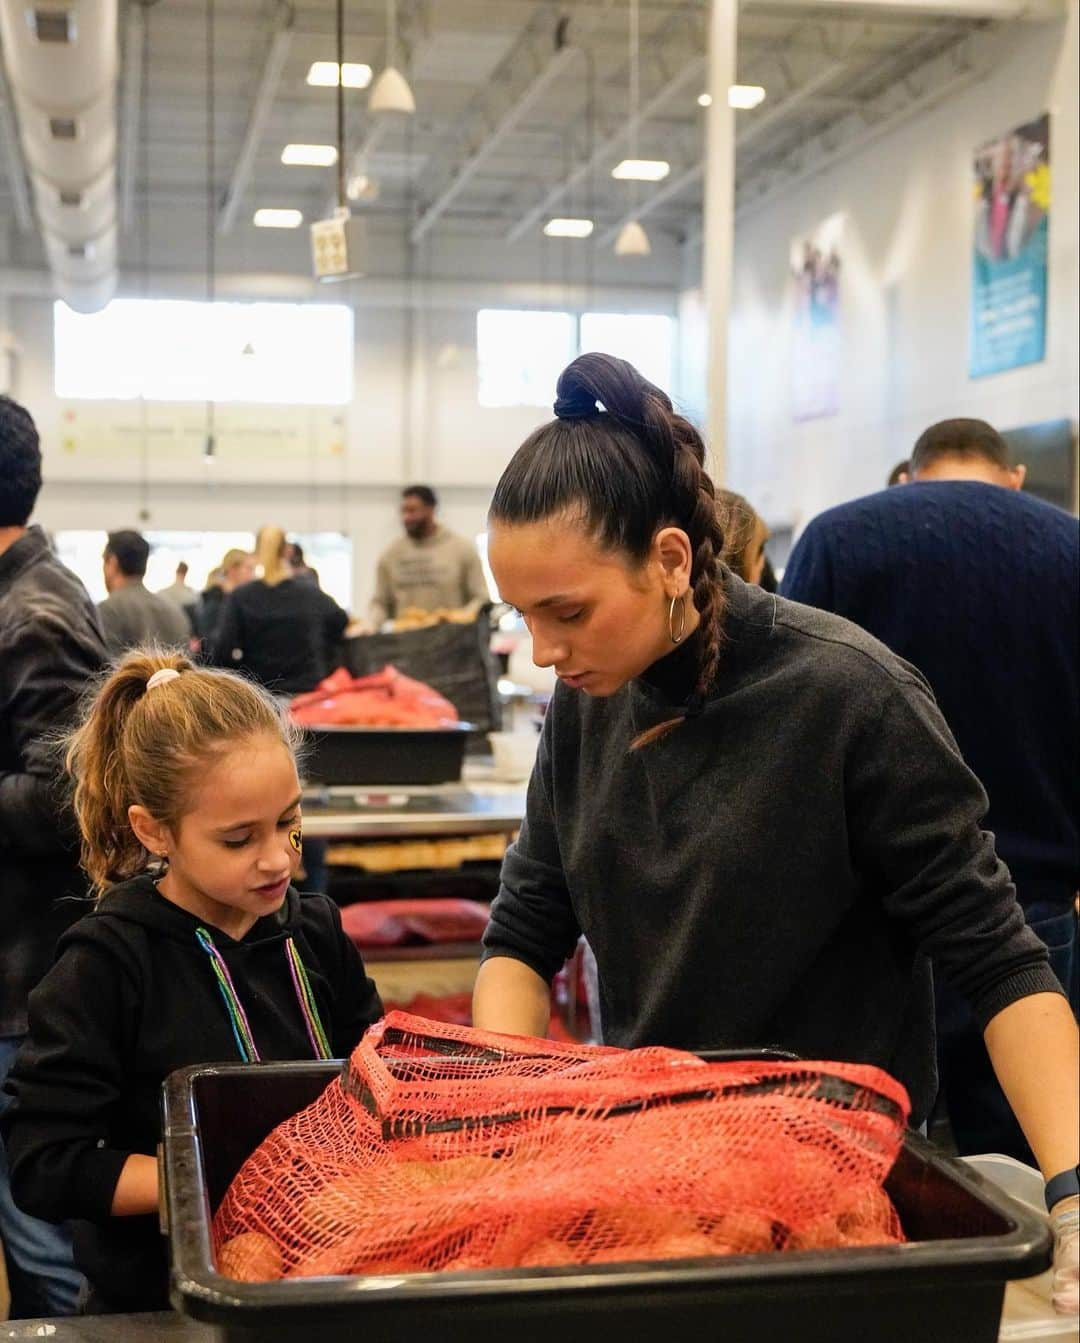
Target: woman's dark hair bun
x: 575, y: 404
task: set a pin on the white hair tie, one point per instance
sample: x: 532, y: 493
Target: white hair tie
x: 161, y: 677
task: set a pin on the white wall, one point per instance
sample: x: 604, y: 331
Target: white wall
x: 905, y: 293
x: 414, y: 415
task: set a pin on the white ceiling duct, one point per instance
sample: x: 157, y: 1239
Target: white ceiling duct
x: 62, y: 62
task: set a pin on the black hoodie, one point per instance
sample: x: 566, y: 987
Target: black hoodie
x: 132, y: 997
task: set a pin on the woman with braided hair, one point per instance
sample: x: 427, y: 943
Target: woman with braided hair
x: 752, y: 810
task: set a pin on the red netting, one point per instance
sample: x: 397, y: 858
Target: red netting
x: 442, y: 1147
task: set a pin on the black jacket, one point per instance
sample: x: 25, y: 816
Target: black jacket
x: 131, y: 998
x: 287, y: 635
x: 776, y: 871
x: 51, y: 646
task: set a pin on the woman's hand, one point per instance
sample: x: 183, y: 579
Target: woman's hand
x: 1065, y: 1224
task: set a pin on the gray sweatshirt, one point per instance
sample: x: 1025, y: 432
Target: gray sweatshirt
x: 777, y: 871
x: 443, y: 570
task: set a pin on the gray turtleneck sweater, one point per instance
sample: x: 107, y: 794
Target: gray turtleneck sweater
x: 776, y: 871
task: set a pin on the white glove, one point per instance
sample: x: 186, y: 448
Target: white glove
x: 1065, y: 1286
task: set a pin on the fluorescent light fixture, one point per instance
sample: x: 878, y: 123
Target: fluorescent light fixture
x: 278, y: 218
x: 310, y: 156
x: 324, y: 75
x: 641, y: 170
x: 745, y: 96
x: 704, y: 100
x: 632, y: 240
x: 568, y: 228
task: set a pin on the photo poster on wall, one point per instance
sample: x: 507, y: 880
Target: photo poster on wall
x: 1011, y: 195
x: 816, y: 352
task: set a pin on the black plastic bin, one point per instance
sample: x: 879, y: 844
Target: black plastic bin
x: 385, y: 755
x: 966, y: 1239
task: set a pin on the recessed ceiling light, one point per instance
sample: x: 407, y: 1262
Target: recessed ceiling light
x: 309, y: 156
x: 568, y: 228
x: 745, y: 96
x: 266, y: 218
x: 704, y: 100
x: 641, y: 170
x: 324, y: 75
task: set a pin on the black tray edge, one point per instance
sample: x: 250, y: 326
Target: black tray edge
x: 1023, y: 1251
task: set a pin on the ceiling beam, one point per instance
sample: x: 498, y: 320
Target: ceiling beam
x: 750, y: 132
x: 941, y: 77
x: 690, y: 74
x: 13, y: 159
x: 506, y: 124
x: 568, y: 44
x: 269, y: 80
x: 996, y: 10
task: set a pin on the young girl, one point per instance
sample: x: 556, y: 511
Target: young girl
x: 199, y: 950
x: 753, y: 811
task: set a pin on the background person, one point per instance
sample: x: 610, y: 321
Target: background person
x: 131, y: 614
x: 429, y: 568
x: 236, y: 568
x: 965, y: 449
x: 179, y: 592
x: 977, y: 585
x: 745, y: 535
x: 51, y: 646
x: 282, y: 630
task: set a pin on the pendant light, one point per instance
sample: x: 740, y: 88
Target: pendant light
x: 391, y: 92
x: 632, y: 239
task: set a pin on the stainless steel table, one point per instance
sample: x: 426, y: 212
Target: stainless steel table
x: 160, y: 1327
x: 381, y: 812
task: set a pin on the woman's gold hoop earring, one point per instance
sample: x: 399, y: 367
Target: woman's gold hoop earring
x: 676, y: 638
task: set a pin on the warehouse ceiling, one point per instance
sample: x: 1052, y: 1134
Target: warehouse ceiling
x: 521, y: 111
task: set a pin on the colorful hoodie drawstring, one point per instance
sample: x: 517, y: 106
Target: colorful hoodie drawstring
x: 241, y: 1027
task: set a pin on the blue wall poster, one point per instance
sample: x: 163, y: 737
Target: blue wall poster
x: 1008, y: 283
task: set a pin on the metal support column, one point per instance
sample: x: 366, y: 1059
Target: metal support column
x: 719, y: 224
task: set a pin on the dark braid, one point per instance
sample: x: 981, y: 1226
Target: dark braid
x: 694, y: 497
x: 620, y: 454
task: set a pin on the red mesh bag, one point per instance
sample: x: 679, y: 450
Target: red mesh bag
x: 384, y: 699
x: 446, y: 1148
x: 395, y: 923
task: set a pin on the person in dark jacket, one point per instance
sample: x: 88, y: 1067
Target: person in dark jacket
x: 978, y: 585
x: 283, y: 630
x: 237, y: 568
x: 199, y: 950
x: 51, y: 646
x: 753, y: 811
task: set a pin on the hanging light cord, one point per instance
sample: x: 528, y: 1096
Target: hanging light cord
x: 144, y: 250
x: 391, y: 34
x: 341, y: 199
x: 211, y: 203
x: 635, y: 92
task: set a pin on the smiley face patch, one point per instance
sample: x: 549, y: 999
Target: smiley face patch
x: 296, y: 839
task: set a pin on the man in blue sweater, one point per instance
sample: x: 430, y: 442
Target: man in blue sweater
x: 977, y: 584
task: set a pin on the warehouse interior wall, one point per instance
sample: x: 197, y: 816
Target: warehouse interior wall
x: 907, y: 206
x: 414, y: 416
